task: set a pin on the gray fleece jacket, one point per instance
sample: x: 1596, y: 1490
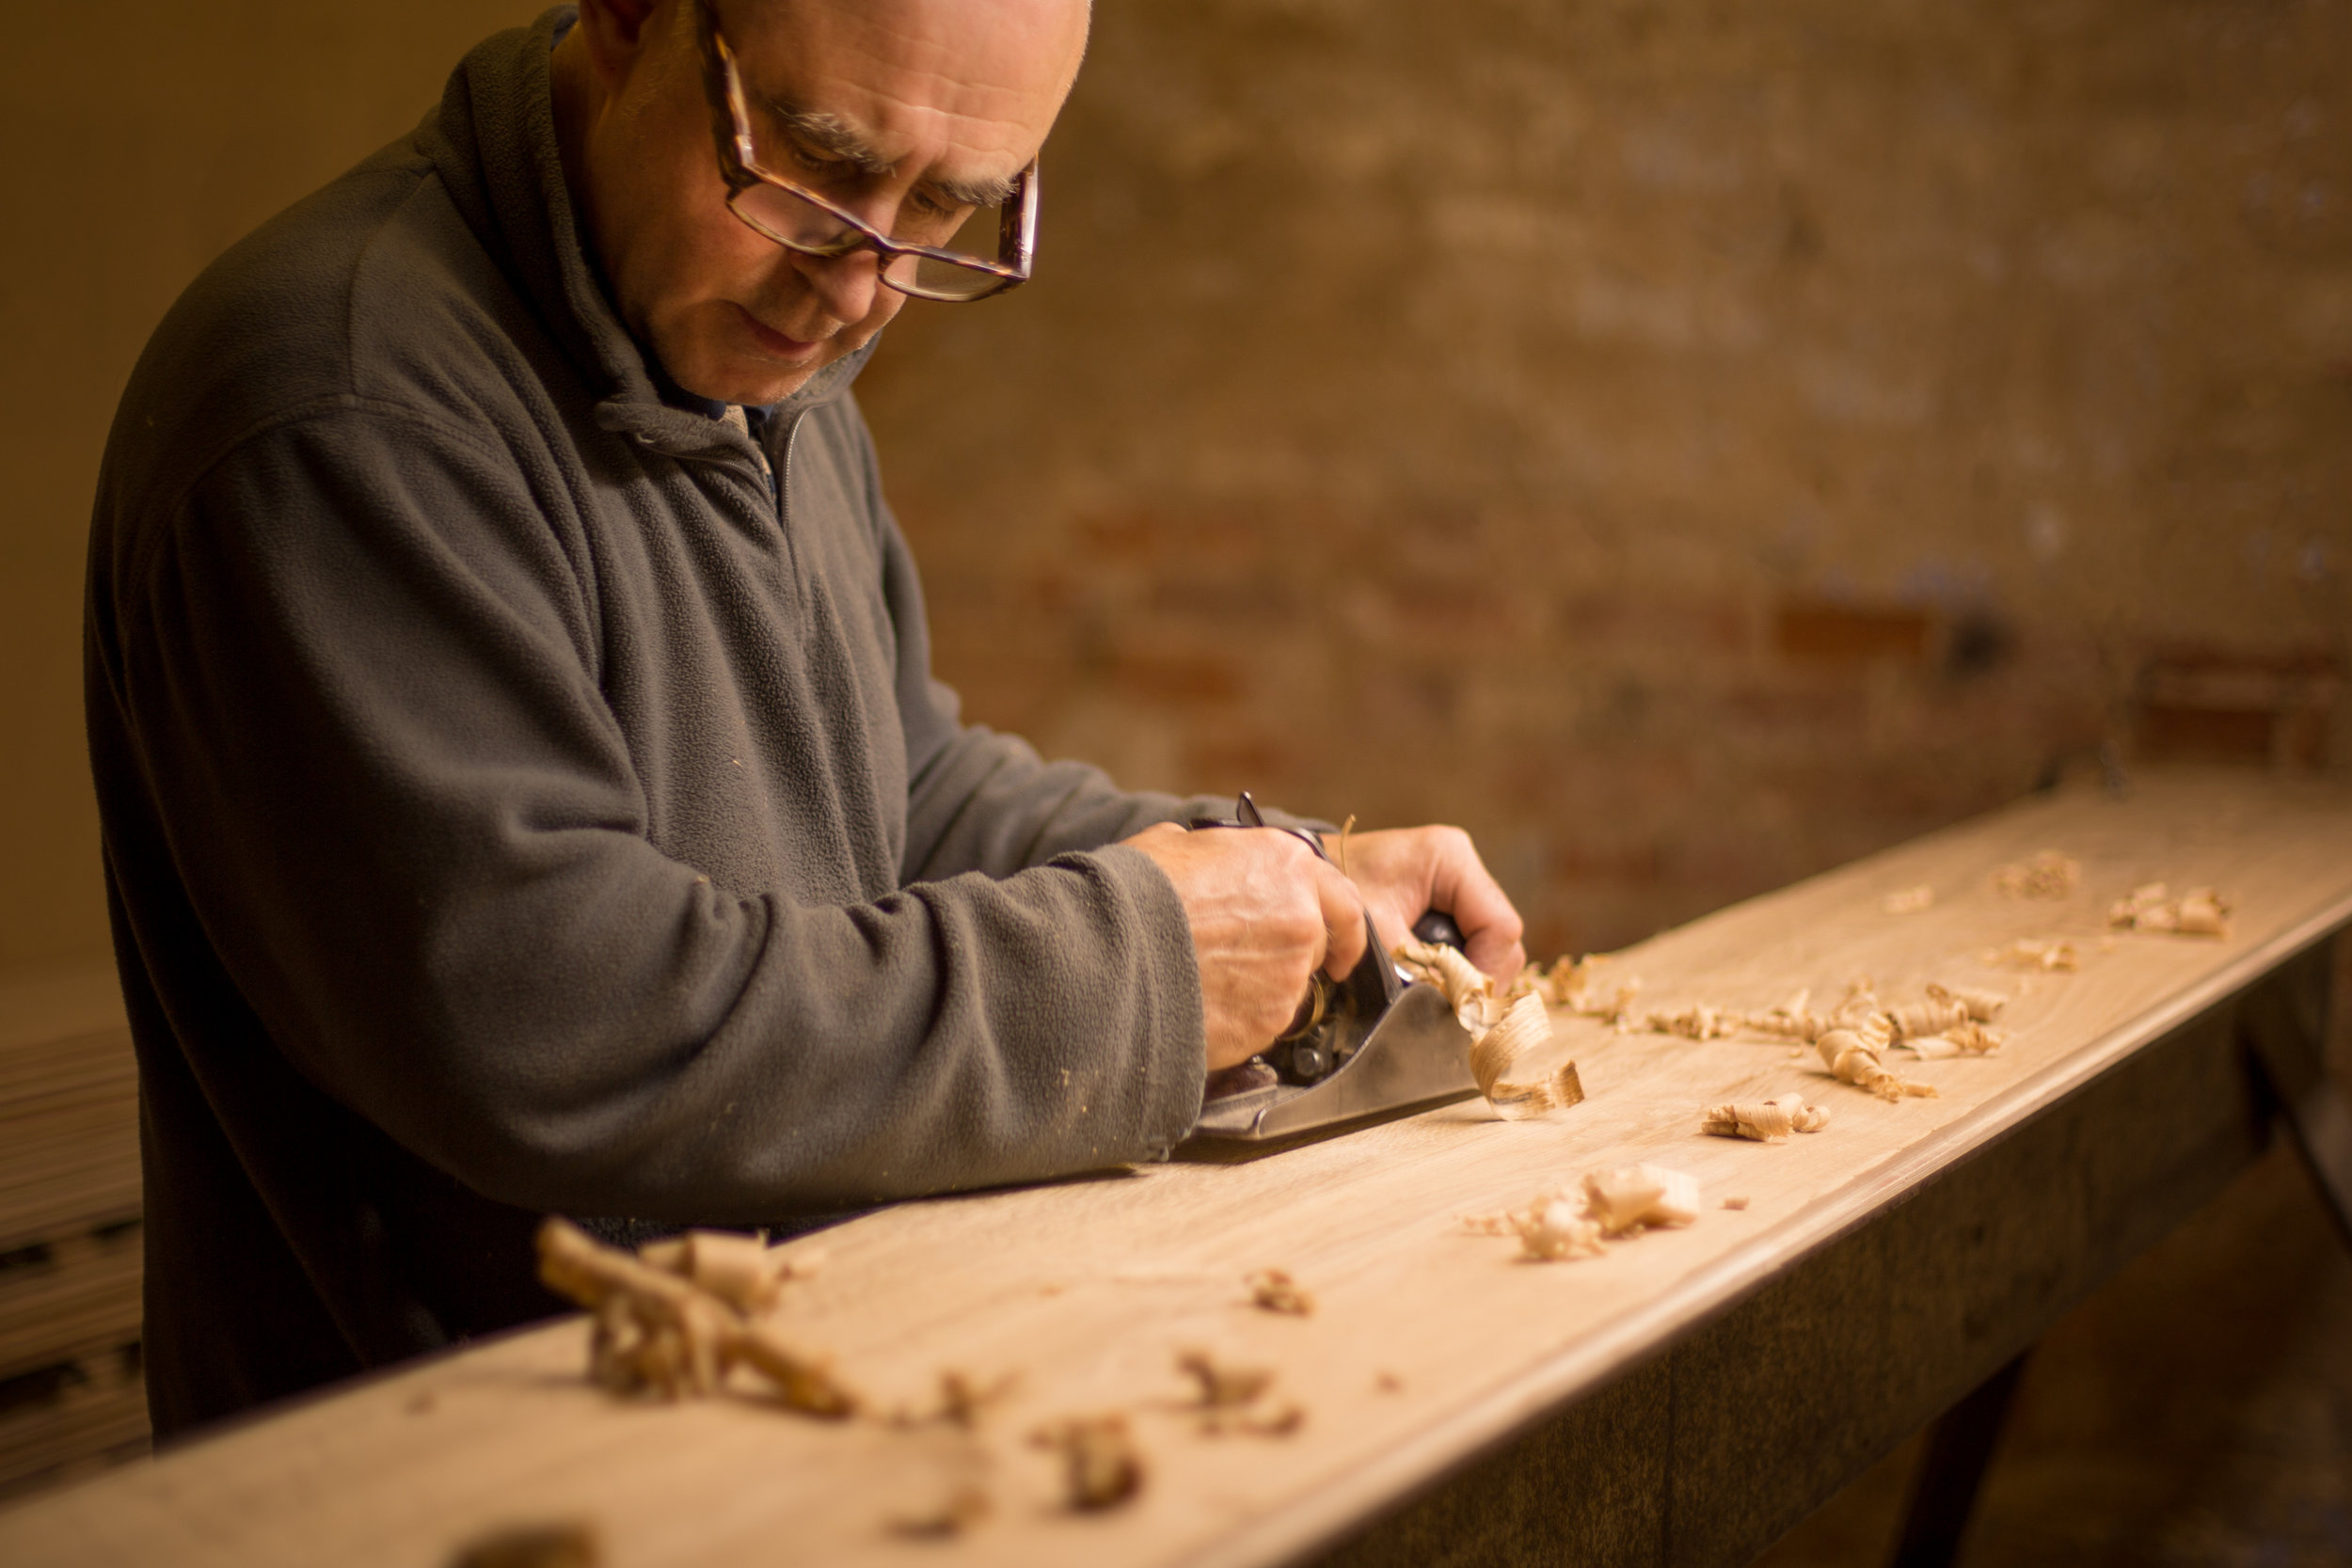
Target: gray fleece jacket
x: 510, y: 806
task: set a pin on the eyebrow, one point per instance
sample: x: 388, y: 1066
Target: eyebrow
x: 837, y: 139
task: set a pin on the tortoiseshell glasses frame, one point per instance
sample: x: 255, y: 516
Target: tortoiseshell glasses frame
x: 800, y: 220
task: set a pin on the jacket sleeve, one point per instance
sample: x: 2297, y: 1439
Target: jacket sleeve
x: 360, y: 663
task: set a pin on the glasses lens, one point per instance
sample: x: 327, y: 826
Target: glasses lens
x: 934, y: 278
x: 789, y: 220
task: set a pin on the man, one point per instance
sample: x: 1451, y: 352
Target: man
x: 523, y: 785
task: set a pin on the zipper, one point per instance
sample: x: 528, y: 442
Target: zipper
x: 780, y: 484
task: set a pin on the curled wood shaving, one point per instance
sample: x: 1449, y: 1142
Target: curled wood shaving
x: 1791, y: 1019
x: 1853, y: 1060
x: 1562, y: 1223
x: 1939, y: 1011
x: 2044, y: 955
x: 1634, y: 1197
x: 1220, y: 1385
x: 744, y: 1271
x: 1576, y: 987
x: 1768, y: 1121
x: 1228, y: 1397
x: 1910, y: 900
x: 1468, y: 989
x: 1697, y: 1021
x: 2045, y: 873
x: 1553, y: 1226
x: 1277, y: 1291
x: 1498, y: 1059
x: 2199, y: 913
x: 657, y: 1331
x: 1100, y: 1466
x: 1972, y: 1039
x: 1984, y: 1005
x: 1501, y: 1037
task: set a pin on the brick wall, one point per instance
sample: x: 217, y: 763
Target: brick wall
x: 1688, y: 444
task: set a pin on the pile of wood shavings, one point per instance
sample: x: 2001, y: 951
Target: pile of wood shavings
x: 2199, y: 913
x: 676, y: 1318
x: 1505, y: 1032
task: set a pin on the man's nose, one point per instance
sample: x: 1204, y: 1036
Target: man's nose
x: 844, y: 284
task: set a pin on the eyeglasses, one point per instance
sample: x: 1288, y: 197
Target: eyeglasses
x: 947, y: 253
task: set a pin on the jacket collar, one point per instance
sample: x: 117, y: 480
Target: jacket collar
x: 492, y: 142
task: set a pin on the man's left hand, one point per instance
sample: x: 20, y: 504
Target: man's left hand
x: 1405, y: 872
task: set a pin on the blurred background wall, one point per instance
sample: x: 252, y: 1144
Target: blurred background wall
x: 1689, y: 444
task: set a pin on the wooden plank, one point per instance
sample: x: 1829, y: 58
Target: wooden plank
x: 1430, y: 1346
x: 91, y: 1411
x: 78, y: 1296
x: 68, y: 1126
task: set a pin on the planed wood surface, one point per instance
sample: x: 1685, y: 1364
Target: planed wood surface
x: 1429, y: 1343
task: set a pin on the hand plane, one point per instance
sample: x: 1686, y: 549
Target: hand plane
x: 1373, y: 1042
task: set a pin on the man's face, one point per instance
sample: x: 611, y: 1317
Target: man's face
x: 905, y: 98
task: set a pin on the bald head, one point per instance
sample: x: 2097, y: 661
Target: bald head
x: 871, y: 103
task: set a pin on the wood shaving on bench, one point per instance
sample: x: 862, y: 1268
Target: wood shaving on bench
x: 659, y: 1331
x: 1503, y: 1038
x: 1632, y: 1198
x: 1275, y: 1290
x: 1100, y: 1466
x: 1910, y: 900
x: 2199, y: 913
x: 1553, y: 1226
x: 958, y: 1511
x: 1561, y: 1222
x: 2045, y: 873
x: 1766, y: 1121
x: 1852, y: 1058
x: 1575, y: 987
x: 962, y: 1399
x: 2046, y: 955
x: 1229, y: 1399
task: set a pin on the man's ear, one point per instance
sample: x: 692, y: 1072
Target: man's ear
x: 615, y: 31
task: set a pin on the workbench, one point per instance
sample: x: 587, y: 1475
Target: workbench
x: 1684, y: 1399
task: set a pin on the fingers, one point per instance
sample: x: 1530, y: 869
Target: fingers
x: 1462, y: 886
x: 1342, y: 908
x: 1406, y: 871
x: 1264, y: 913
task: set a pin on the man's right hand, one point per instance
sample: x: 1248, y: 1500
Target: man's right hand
x: 1265, y: 912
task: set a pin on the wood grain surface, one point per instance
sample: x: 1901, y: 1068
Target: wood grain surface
x: 1429, y: 1343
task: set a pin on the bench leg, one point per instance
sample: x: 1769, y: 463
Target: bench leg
x: 2283, y: 1025
x: 1960, y: 1448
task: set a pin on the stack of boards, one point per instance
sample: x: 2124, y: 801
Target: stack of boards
x: 72, y: 1398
